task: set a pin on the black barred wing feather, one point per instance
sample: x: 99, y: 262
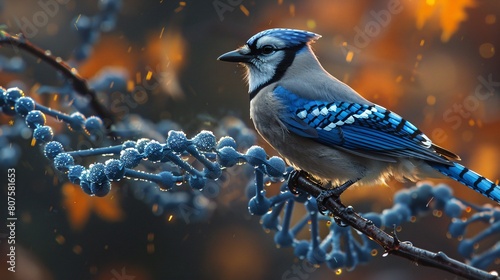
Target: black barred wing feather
x: 360, y: 128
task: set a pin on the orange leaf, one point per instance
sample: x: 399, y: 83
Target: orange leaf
x: 107, y: 208
x: 452, y: 14
x: 77, y: 205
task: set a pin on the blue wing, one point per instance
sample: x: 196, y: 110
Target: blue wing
x: 365, y: 129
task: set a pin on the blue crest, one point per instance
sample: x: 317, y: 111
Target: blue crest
x: 293, y: 36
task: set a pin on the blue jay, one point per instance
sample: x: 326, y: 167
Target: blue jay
x: 324, y: 127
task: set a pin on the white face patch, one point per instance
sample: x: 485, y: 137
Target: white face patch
x: 262, y: 68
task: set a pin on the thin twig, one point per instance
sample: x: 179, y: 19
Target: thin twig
x: 78, y: 83
x: 390, y: 243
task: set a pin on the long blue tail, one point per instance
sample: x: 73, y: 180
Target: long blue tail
x: 469, y: 178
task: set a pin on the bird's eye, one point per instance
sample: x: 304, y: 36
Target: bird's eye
x: 267, y: 49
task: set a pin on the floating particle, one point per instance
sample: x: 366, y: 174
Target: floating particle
x: 151, y: 236
x: 244, y: 10
x: 181, y: 6
x: 77, y: 249
x: 60, y: 239
x: 490, y: 19
x: 138, y: 78
x: 76, y: 21
x: 487, y: 50
x: 162, y: 30
x: 149, y: 75
x: 431, y: 100
x: 130, y: 85
x: 349, y: 56
x: 291, y: 8
x: 311, y: 24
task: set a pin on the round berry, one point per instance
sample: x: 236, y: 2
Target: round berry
x: 130, y: 157
x: 63, y: 161
x: 167, y: 180
x: 74, y: 174
x: 93, y: 125
x: 226, y: 141
x: 197, y: 182
x: 76, y: 121
x: 114, y: 169
x: 43, y: 134
x: 35, y: 119
x: 24, y: 105
x: 177, y: 141
x: 283, y: 238
x: 453, y: 208
x: 12, y: 95
x: 52, y: 149
x: 259, y: 206
x: 275, y: 167
x: 204, y: 141
x: 96, y: 173
x: 128, y: 144
x: 101, y: 189
x: 153, y: 151
x: 256, y: 155
x: 141, y: 144
x: 228, y: 156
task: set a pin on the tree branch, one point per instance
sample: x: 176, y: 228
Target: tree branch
x: 78, y: 83
x: 390, y: 243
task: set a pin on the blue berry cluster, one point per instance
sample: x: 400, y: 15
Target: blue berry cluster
x: 13, y: 102
x: 211, y: 154
x: 343, y: 247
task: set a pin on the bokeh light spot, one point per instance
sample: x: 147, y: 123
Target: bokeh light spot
x: 487, y: 50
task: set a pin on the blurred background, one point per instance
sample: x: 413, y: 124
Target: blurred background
x: 432, y: 61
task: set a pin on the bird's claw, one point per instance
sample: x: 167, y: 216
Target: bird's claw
x: 321, y: 199
x: 333, y: 193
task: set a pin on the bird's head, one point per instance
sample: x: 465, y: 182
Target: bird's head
x: 268, y: 54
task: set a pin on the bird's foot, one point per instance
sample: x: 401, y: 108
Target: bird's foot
x: 294, y: 175
x: 310, y: 185
x: 334, y: 193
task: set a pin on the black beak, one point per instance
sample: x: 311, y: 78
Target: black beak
x: 235, y: 56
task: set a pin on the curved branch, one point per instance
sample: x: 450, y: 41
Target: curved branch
x: 78, y: 83
x: 390, y: 243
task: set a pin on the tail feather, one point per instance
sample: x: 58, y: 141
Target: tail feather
x: 469, y: 178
